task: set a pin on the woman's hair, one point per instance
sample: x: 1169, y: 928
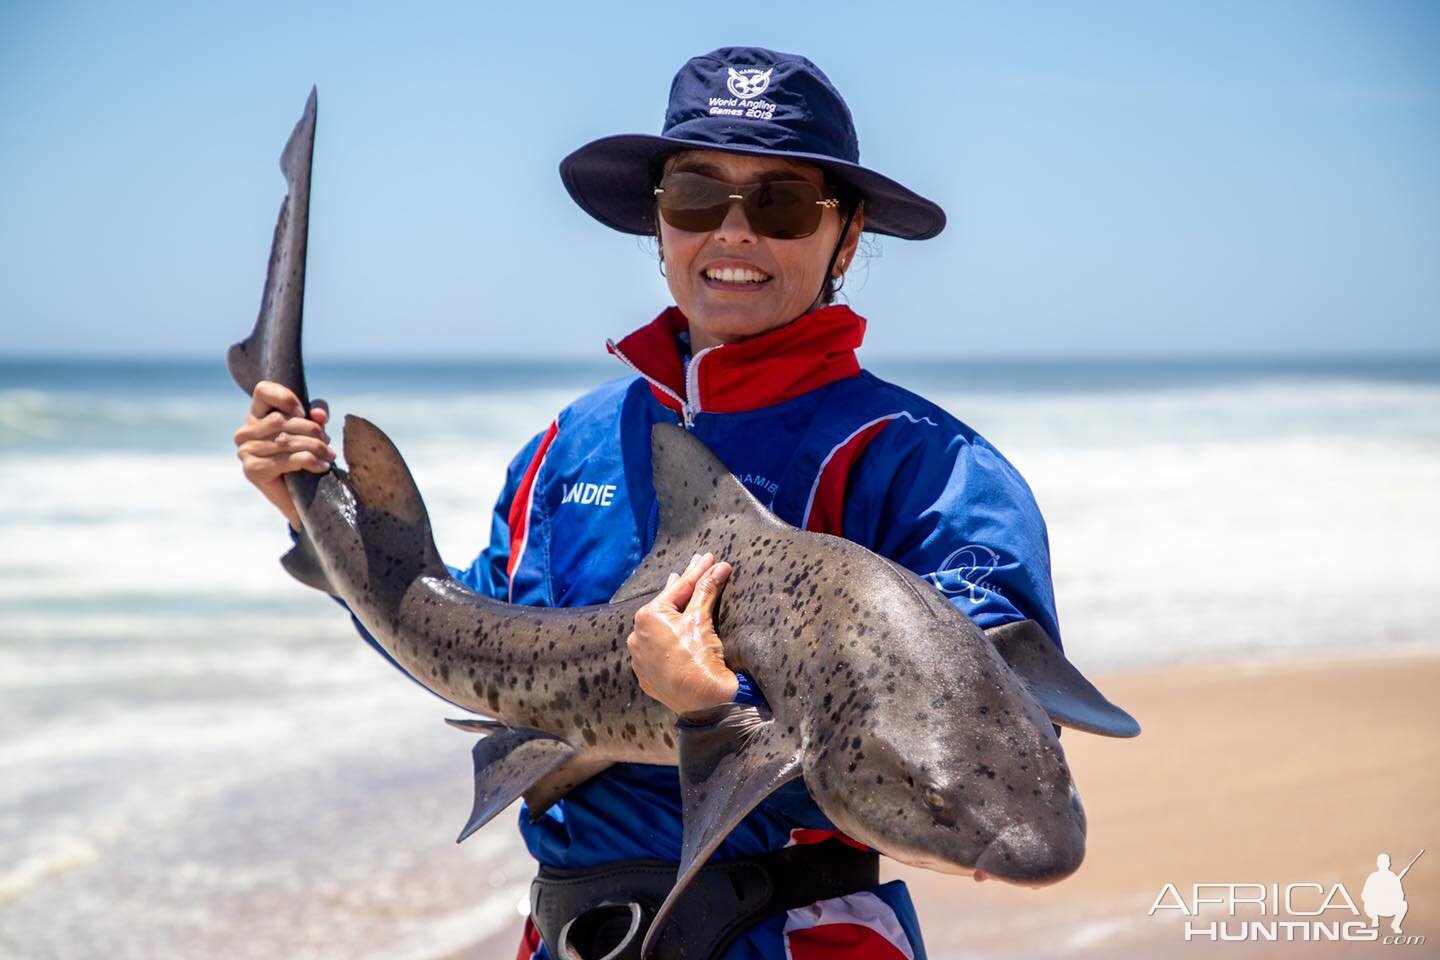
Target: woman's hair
x: 849, y: 198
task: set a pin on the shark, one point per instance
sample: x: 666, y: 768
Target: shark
x: 916, y: 732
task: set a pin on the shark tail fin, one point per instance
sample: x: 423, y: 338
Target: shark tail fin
x: 272, y: 351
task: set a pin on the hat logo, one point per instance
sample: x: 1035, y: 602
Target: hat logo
x: 748, y: 83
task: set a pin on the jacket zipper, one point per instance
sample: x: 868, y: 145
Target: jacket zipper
x: 692, y: 384
x: 686, y: 417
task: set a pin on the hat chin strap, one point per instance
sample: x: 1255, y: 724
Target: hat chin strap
x: 835, y: 255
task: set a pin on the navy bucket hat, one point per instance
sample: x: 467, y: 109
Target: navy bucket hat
x: 754, y: 102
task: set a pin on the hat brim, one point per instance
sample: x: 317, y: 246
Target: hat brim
x: 610, y: 179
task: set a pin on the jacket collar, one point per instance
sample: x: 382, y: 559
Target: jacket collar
x: 809, y: 352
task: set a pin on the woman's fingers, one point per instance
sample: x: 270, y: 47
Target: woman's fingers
x: 286, y: 443
x: 263, y: 469
x: 274, y: 423
x: 707, y: 591
x: 681, y: 587
x: 270, y: 395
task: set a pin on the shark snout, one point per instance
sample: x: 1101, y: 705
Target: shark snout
x: 1037, y: 852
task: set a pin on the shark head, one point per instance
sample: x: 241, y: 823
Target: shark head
x: 936, y: 754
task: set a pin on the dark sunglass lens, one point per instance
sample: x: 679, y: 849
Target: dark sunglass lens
x: 784, y: 210
x: 780, y: 209
x: 692, y: 202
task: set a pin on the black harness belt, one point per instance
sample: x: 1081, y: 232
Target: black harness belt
x: 603, y: 913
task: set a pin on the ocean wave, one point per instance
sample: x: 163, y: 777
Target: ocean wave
x: 73, y: 420
x: 34, y: 420
x: 1257, y: 413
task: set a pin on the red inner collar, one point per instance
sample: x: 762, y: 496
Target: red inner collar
x: 803, y: 355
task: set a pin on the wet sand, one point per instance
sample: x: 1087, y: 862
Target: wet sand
x: 1246, y: 773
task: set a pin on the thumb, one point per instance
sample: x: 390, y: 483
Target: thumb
x: 707, y: 590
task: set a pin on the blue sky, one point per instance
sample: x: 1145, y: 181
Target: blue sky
x: 1122, y: 178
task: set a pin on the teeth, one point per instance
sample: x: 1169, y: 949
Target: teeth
x: 736, y: 275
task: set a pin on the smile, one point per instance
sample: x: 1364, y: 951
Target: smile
x: 735, y: 275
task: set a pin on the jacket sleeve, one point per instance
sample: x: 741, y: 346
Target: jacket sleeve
x: 487, y: 572
x: 949, y: 507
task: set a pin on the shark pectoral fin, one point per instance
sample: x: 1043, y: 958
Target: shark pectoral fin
x: 509, y: 761
x: 1060, y: 689
x: 731, y: 758
x: 480, y: 725
x: 561, y: 781
x: 303, y: 563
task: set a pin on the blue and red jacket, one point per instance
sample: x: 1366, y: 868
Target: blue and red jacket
x: 827, y: 447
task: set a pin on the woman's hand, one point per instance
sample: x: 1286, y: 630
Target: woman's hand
x: 676, y: 653
x: 277, y: 438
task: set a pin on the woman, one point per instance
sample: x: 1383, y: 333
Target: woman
x: 756, y: 195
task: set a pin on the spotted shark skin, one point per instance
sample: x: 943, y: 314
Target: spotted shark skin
x: 915, y: 732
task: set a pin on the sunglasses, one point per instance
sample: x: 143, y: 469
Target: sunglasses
x: 779, y: 209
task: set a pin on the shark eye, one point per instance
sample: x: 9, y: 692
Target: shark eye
x: 933, y: 800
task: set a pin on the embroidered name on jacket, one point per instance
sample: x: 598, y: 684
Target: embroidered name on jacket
x: 589, y: 494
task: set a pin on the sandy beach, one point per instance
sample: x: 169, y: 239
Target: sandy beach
x: 1246, y: 773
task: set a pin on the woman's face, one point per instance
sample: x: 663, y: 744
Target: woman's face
x: 792, y: 270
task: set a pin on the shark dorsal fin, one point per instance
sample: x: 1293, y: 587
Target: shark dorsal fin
x: 696, y: 493
x: 1060, y: 689
x: 731, y: 758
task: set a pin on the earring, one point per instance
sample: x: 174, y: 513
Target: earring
x: 661, y: 261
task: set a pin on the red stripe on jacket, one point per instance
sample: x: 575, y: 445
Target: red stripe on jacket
x: 519, y: 516
x: 529, y: 942
x: 826, y: 511
x: 841, y: 941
